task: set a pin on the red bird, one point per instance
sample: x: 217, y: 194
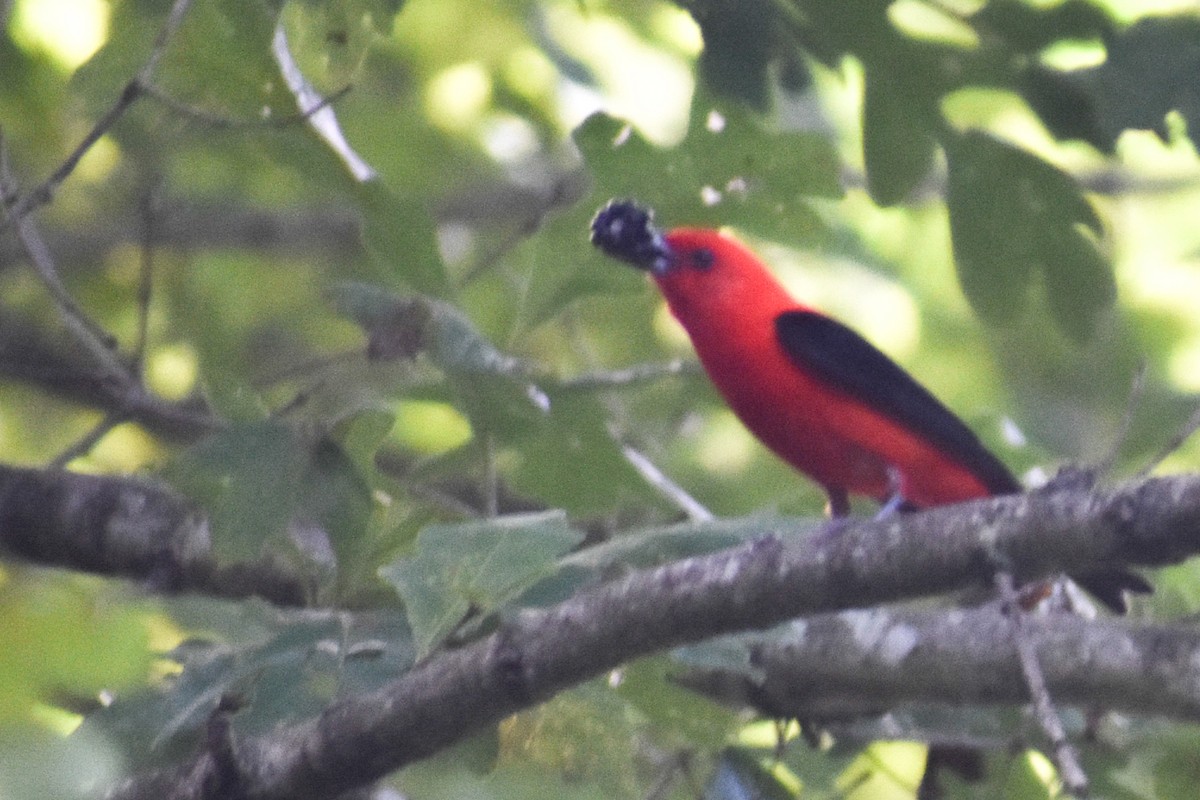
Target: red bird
x: 820, y: 396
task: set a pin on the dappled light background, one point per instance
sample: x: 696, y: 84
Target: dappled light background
x: 210, y: 230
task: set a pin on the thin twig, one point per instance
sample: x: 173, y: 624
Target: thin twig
x: 1137, y: 391
x: 665, y: 486
x: 641, y: 373
x: 98, y: 342
x: 491, y: 478
x: 178, y: 10
x: 1190, y: 427
x: 145, y: 279
x: 85, y: 444
x: 44, y: 192
x: 90, y: 335
x: 1074, y: 779
x: 211, y: 119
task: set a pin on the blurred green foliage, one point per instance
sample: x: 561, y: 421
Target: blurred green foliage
x: 998, y: 193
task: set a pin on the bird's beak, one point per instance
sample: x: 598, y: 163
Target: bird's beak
x: 626, y: 231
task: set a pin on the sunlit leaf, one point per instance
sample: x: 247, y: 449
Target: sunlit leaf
x: 884, y: 769
x: 1031, y: 777
x: 65, y: 642
x: 1147, y: 74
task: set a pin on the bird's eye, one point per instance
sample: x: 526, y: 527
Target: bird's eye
x: 703, y: 258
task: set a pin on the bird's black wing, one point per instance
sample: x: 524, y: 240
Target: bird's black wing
x: 837, y: 355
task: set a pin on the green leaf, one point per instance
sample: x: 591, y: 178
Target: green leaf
x: 729, y: 170
x: 738, y: 49
x: 571, y: 460
x: 649, y: 685
x: 362, y: 432
x: 1027, y: 780
x: 257, y: 479
x: 490, y: 386
x: 884, y: 769
x: 1030, y: 28
x: 247, y: 477
x: 404, y: 326
x: 281, y: 666
x: 219, y: 61
x: 337, y: 498
x: 898, y: 144
x: 475, y: 567
x: 330, y: 40
x: 1080, y: 285
x: 1177, y: 773
x: 65, y: 639
x: 564, y: 452
x: 1149, y: 71
x: 1013, y: 216
x: 399, y: 236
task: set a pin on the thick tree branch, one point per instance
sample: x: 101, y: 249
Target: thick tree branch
x: 27, y: 355
x: 126, y: 528
x: 774, y: 578
x: 854, y: 663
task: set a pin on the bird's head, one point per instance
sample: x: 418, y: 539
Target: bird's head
x: 626, y: 231
x: 694, y: 267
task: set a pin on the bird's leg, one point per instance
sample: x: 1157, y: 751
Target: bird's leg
x: 895, y: 501
x: 839, y: 503
x: 838, y: 511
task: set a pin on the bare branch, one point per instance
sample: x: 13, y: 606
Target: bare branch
x: 1066, y: 758
x: 835, y: 666
x: 26, y: 356
x: 128, y: 528
x: 540, y: 652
